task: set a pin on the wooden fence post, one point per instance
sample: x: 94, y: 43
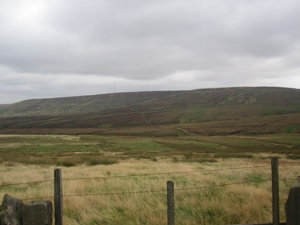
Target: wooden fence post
x: 170, y: 203
x: 58, y: 197
x: 275, y: 191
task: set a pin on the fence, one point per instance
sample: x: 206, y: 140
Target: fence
x: 58, y: 194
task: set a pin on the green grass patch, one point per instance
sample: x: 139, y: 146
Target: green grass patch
x: 284, y: 139
x: 61, y: 148
x: 2, y: 111
x: 280, y: 111
x: 255, y: 179
x: 142, y: 145
x: 91, y: 150
x: 293, y: 129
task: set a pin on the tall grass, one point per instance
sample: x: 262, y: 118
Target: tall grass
x: 133, y: 191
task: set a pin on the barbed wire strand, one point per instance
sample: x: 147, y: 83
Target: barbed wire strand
x: 31, y: 182
x: 288, y: 165
x: 288, y: 179
x: 164, y: 190
x: 138, y: 192
x: 134, y: 175
x: 48, y: 197
x: 154, y: 191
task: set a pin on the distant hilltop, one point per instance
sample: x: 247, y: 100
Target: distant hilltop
x: 265, y: 109
x: 94, y: 103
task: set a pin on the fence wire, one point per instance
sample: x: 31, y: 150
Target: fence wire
x: 31, y: 182
x: 153, y: 191
x: 165, y: 190
x: 148, y: 191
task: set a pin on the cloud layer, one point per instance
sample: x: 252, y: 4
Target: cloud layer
x: 66, y: 48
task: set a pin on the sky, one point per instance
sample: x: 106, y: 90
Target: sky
x: 62, y: 48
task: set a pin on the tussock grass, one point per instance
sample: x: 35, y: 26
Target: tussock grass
x: 121, y: 194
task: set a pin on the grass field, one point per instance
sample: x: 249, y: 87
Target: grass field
x: 67, y: 150
x: 218, y: 179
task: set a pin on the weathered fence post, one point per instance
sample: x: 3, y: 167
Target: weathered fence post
x: 275, y: 191
x: 292, y: 205
x: 170, y: 203
x: 58, y: 197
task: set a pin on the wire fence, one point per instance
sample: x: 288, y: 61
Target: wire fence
x: 151, y: 191
x: 156, y: 191
x: 150, y: 174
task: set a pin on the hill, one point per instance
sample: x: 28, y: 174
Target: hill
x: 246, y: 110
x: 79, y: 104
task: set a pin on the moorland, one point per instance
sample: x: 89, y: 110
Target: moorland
x: 117, y: 151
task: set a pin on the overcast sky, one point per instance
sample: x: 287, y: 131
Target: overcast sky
x: 57, y: 48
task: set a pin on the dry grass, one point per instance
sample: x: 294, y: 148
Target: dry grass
x: 138, y: 203
x: 121, y: 195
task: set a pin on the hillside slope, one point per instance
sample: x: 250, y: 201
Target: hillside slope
x: 229, y: 103
x: 272, y: 98
x: 204, y: 111
x: 79, y: 104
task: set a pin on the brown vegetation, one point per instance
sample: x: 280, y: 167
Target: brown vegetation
x: 221, y: 111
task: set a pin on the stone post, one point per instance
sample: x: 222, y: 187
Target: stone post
x: 37, y: 213
x: 292, y: 205
x: 11, y: 211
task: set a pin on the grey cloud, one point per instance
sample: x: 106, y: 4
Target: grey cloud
x: 134, y: 39
x: 150, y: 42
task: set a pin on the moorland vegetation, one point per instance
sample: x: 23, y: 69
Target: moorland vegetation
x: 215, y: 144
